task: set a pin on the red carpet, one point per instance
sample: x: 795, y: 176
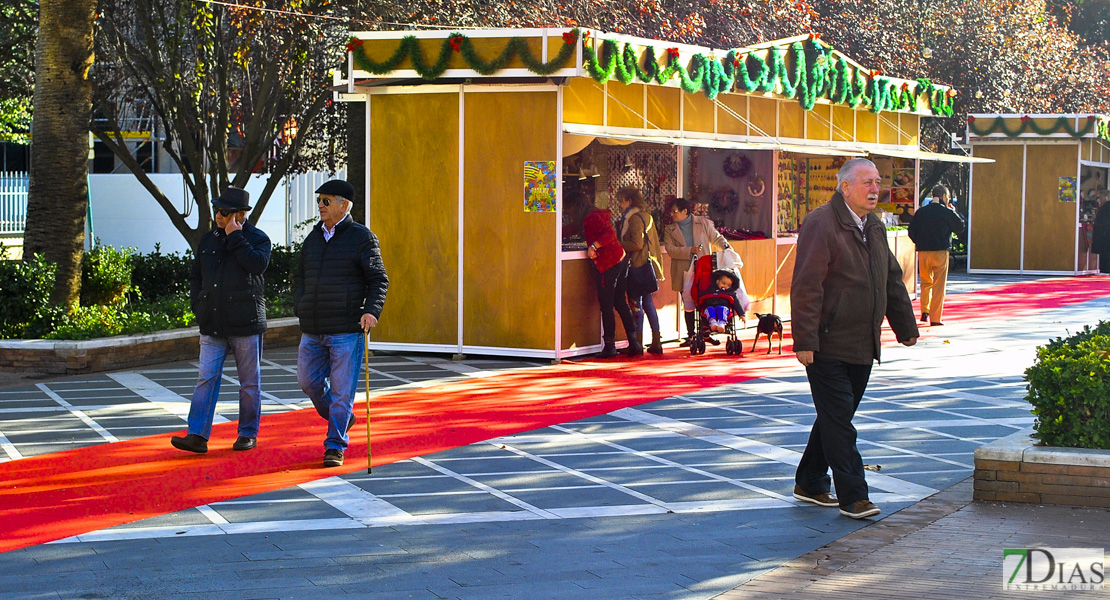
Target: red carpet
x: 54, y: 496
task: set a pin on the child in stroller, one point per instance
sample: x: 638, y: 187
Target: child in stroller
x: 720, y: 298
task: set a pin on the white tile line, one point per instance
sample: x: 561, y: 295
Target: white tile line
x: 210, y: 514
x: 9, y: 448
x: 155, y: 393
x: 354, y: 501
x: 539, y: 512
x: 77, y: 413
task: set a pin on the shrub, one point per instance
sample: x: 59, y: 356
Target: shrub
x: 25, y: 288
x: 105, y: 275
x: 156, y: 276
x: 1069, y: 388
x: 89, y: 322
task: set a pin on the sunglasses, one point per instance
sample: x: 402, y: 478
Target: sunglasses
x: 226, y: 213
x: 326, y: 201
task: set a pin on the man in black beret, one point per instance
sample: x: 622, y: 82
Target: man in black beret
x: 227, y: 295
x: 338, y: 294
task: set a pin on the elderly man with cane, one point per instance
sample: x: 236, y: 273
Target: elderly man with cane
x: 339, y: 292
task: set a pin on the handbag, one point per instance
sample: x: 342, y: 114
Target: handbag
x: 641, y: 280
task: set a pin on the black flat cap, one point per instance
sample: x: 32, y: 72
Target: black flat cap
x: 338, y: 187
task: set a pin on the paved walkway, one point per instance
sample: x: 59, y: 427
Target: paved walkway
x: 688, y: 497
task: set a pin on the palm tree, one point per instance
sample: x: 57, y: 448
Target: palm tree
x: 58, y: 197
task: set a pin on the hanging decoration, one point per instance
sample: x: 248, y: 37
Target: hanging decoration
x: 724, y: 201
x: 815, y: 71
x: 737, y: 166
x: 756, y: 187
x: 1028, y: 124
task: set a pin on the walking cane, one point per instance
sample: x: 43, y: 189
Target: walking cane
x: 366, y: 361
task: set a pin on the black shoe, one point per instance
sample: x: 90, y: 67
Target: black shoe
x: 350, y: 423
x: 686, y: 343
x: 935, y: 323
x: 710, y: 339
x: 190, y: 443
x: 924, y: 316
x: 244, y: 443
x: 333, y: 458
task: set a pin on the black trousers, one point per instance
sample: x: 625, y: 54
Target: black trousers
x: 611, y: 290
x: 837, y: 389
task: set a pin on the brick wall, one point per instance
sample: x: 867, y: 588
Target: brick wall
x: 1015, y: 470
x: 121, y: 352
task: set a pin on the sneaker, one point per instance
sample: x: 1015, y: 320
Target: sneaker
x: 860, y: 509
x: 190, y: 443
x: 822, y: 499
x: 244, y: 443
x: 333, y: 457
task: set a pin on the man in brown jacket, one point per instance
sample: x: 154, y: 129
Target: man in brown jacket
x: 845, y: 281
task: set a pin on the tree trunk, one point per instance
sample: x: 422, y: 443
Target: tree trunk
x: 58, y: 198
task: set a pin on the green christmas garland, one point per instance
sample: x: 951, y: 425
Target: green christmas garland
x: 1027, y: 124
x: 815, y: 73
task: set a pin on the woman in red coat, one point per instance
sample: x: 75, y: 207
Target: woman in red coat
x: 612, y: 268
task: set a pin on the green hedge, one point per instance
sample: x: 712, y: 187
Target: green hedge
x: 122, y: 292
x: 1069, y: 388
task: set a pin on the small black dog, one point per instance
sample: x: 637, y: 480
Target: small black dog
x: 770, y: 325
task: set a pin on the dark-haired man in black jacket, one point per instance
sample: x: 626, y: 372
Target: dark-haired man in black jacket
x: 339, y: 292
x: 931, y: 231
x: 227, y: 294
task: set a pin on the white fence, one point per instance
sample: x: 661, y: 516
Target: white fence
x: 13, y: 203
x: 123, y: 214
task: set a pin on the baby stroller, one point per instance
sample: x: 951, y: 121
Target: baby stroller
x: 703, y: 289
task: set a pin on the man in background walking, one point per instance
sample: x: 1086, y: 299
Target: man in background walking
x: 931, y: 231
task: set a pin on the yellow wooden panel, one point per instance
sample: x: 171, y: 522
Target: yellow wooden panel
x: 697, y: 113
x: 1049, y: 224
x: 490, y: 48
x: 414, y: 173
x: 905, y: 251
x: 764, y: 113
x: 622, y: 96
x: 758, y: 273
x: 866, y: 127
x: 817, y: 122
x: 784, y: 276
x: 909, y: 129
x: 1087, y: 149
x: 509, y: 256
x: 844, y: 122
x: 583, y: 102
x: 791, y: 119
x: 581, y: 310
x: 726, y: 122
x: 995, y: 236
x: 888, y: 128
x: 663, y: 107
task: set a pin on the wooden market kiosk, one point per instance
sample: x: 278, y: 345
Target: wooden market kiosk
x: 472, y: 140
x: 1031, y: 211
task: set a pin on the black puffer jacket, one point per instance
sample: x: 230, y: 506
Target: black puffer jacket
x: 339, y: 280
x: 226, y: 288
x: 933, y: 225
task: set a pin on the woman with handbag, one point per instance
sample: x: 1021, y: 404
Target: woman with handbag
x: 640, y: 240
x: 612, y: 269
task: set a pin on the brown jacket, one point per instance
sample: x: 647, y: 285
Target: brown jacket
x: 843, y: 286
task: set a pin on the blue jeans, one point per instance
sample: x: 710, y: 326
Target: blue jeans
x: 328, y: 367
x: 647, y: 307
x: 248, y: 356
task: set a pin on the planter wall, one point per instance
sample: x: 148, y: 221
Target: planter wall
x: 64, y: 357
x: 1012, y: 469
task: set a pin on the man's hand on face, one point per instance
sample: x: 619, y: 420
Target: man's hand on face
x: 232, y: 224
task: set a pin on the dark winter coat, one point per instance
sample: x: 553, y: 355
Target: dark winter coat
x: 844, y: 283
x: 339, y: 280
x: 227, y: 292
x: 933, y: 225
